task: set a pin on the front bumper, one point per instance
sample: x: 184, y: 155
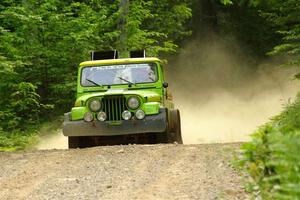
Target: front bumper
x: 150, y: 124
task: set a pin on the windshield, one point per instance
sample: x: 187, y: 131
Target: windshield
x: 119, y: 74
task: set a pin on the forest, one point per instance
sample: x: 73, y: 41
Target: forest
x: 42, y: 42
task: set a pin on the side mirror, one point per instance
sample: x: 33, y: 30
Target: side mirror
x: 165, y: 85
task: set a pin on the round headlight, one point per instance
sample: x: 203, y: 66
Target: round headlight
x: 133, y: 102
x: 88, y: 117
x: 126, y: 115
x: 95, y: 105
x: 139, y: 114
x: 101, y: 116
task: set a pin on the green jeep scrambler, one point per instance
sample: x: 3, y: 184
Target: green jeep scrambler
x: 121, y: 101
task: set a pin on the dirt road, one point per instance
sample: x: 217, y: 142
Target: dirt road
x: 122, y: 172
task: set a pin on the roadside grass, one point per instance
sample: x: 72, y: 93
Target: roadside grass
x: 17, y: 140
x: 272, y: 158
x: 21, y: 140
x: 233, y: 153
x: 248, y: 183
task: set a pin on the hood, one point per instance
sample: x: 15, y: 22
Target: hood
x: 150, y: 95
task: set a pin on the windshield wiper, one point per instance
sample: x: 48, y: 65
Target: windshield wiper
x: 152, y: 79
x: 123, y: 79
x: 91, y: 81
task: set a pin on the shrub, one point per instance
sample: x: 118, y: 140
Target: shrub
x: 272, y: 157
x: 19, y: 116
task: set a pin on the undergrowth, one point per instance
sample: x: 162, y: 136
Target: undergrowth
x: 26, y: 139
x: 272, y: 158
x: 17, y: 140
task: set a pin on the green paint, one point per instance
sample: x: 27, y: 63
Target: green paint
x: 77, y: 113
x: 151, y: 108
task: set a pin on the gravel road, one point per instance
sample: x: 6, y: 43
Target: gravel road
x: 122, y: 172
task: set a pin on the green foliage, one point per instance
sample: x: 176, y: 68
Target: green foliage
x: 272, y: 157
x: 157, y: 27
x: 21, y: 108
x: 17, y: 140
x: 226, y: 2
x: 284, y: 15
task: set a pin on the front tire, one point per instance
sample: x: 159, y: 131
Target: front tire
x: 82, y: 142
x: 74, y: 142
x: 174, y: 129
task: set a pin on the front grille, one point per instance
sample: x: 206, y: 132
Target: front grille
x: 113, y: 106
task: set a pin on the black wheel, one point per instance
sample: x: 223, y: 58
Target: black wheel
x: 161, y: 137
x: 174, y: 130
x: 82, y: 142
x: 74, y: 142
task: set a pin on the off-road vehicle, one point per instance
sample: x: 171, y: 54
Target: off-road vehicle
x: 122, y: 101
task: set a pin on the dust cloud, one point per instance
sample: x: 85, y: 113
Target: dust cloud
x: 51, y: 138
x: 222, y: 94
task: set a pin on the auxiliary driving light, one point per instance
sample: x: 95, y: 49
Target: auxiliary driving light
x: 95, y: 105
x: 88, y: 117
x: 139, y: 114
x: 133, y: 103
x: 126, y: 115
x: 101, y: 116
